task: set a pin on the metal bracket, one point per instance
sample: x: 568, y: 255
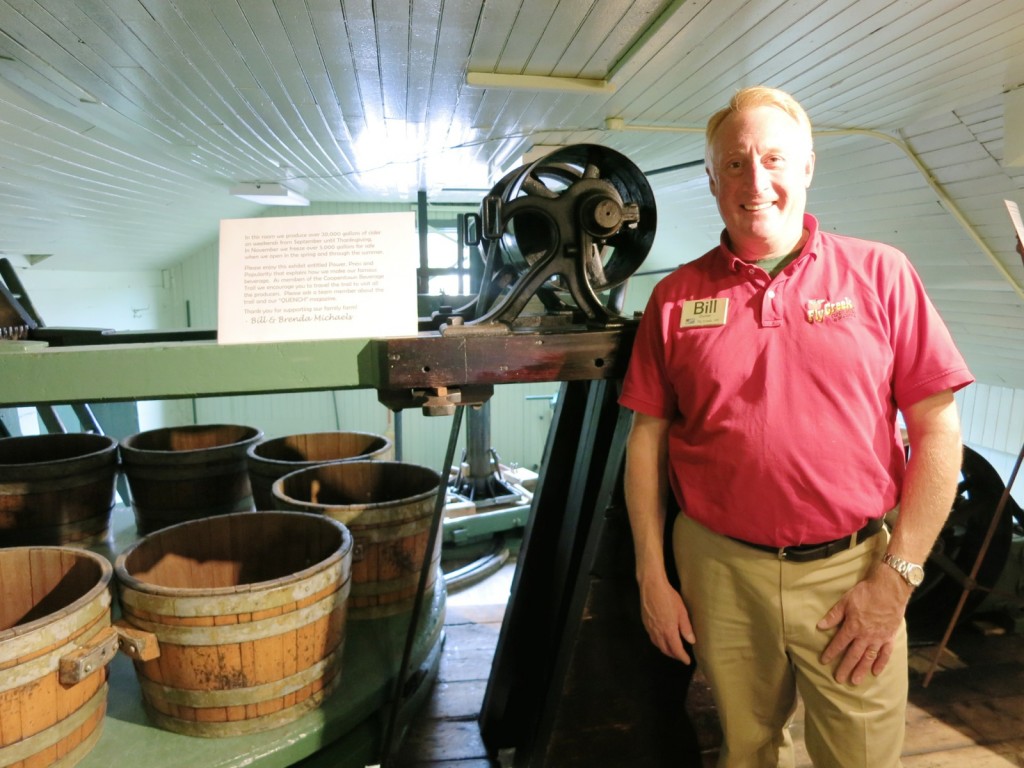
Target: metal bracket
x: 97, y: 653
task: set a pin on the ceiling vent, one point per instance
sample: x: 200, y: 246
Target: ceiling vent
x: 267, y: 193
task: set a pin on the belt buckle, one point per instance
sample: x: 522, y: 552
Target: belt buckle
x: 830, y: 548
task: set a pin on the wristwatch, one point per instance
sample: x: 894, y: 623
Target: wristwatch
x: 912, y: 573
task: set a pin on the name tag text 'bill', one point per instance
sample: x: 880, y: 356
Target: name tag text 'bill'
x: 704, y: 312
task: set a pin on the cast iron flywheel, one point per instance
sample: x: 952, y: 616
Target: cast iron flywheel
x: 955, y: 552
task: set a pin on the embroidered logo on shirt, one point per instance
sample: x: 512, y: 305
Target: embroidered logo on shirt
x: 819, y: 310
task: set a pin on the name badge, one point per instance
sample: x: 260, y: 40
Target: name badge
x: 704, y: 312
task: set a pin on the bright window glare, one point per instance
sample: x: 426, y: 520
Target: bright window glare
x: 442, y: 248
x: 443, y: 253
x: 446, y: 285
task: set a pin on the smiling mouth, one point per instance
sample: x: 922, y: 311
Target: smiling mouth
x: 758, y: 207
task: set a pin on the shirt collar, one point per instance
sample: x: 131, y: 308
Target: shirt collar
x: 811, y: 246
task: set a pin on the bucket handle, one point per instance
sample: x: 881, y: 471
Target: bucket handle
x: 79, y: 664
x: 136, y: 643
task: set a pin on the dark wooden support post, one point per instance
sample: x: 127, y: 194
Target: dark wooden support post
x: 575, y: 680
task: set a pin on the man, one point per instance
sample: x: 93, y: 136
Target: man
x: 765, y: 382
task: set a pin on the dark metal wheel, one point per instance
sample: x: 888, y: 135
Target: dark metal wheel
x: 600, y: 182
x: 565, y: 229
x: 955, y: 552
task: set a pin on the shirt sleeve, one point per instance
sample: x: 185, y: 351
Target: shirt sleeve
x: 646, y: 387
x: 926, y: 359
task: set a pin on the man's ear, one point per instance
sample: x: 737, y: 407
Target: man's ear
x: 711, y: 182
x: 809, y: 170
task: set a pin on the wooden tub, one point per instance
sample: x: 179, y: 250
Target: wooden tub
x: 247, y: 612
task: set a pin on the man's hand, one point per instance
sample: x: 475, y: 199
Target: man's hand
x: 869, y: 617
x: 665, y: 618
x: 646, y: 486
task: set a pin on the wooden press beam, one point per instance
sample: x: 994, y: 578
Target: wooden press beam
x: 471, y: 360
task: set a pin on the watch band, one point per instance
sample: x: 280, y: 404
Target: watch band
x: 912, y: 573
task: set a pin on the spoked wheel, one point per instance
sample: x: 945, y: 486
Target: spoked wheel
x: 955, y: 552
x: 565, y: 229
x: 599, y: 183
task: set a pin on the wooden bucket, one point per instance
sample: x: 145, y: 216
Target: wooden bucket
x: 55, y: 643
x: 247, y: 614
x: 275, y: 458
x: 56, y: 489
x: 176, y: 474
x: 388, y: 506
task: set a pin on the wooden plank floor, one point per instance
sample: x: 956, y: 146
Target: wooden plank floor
x: 971, y: 715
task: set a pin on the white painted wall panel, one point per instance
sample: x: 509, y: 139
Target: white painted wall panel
x: 121, y: 301
x: 992, y: 420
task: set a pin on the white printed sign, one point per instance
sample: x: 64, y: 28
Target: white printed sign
x: 1018, y: 225
x: 296, y: 278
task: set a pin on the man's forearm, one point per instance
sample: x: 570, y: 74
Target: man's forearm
x: 933, y: 470
x: 646, y: 488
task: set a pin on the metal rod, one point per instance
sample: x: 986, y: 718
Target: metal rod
x: 51, y: 419
x: 10, y: 277
x: 421, y: 588
x: 87, y: 420
x: 478, y: 445
x: 970, y: 584
x: 423, y: 227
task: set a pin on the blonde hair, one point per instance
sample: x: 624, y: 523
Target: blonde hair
x: 750, y: 98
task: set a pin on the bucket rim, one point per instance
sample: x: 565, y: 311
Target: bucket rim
x: 101, y: 585
x: 253, y: 451
x: 110, y: 445
x: 252, y: 435
x: 352, y: 466
x: 127, y: 579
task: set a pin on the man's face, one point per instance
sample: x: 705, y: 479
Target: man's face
x: 761, y: 166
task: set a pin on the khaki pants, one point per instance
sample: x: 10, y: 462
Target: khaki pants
x: 754, y: 616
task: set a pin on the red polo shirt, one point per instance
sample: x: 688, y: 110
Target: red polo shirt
x: 783, y: 394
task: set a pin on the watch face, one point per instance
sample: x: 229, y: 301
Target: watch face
x: 915, y: 575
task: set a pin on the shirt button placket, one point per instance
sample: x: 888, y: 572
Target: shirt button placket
x: 769, y: 308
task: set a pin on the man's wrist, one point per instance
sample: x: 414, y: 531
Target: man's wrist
x: 912, y: 573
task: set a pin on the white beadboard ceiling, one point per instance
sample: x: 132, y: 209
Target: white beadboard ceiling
x: 123, y: 123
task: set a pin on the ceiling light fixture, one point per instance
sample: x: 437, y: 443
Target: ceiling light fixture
x: 1013, y: 135
x: 267, y: 193
x: 538, y: 83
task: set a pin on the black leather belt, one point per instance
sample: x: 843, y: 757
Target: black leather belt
x: 805, y: 553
